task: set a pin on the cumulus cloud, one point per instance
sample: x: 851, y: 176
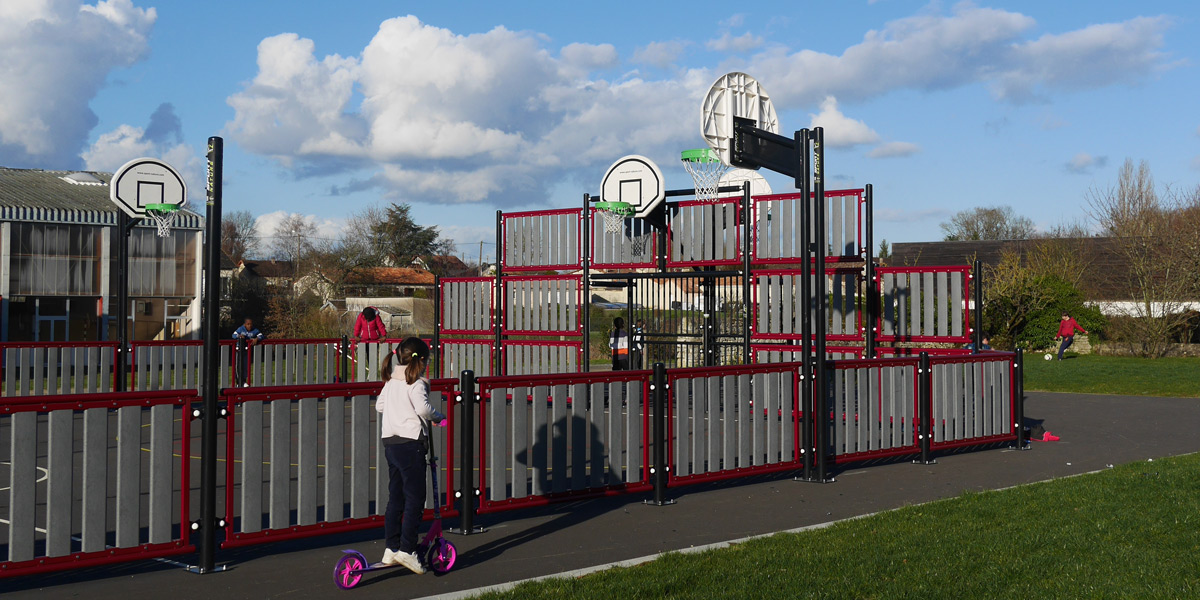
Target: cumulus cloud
x: 458, y: 118
x: 659, y: 54
x: 162, y: 138
x: 932, y: 52
x: 894, y: 150
x: 730, y: 43
x: 328, y: 229
x: 1084, y: 163
x: 841, y: 131
x: 57, y: 56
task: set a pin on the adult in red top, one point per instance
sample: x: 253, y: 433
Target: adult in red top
x: 1066, y: 331
x: 368, y: 327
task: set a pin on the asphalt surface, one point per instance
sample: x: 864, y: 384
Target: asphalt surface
x: 1096, y: 431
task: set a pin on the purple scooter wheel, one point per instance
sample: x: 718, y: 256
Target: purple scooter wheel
x: 348, y: 571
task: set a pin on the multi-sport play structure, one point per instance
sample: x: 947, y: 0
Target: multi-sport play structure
x: 772, y: 344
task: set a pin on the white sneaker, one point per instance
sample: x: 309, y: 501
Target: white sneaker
x: 390, y: 557
x: 410, y: 560
x: 245, y: 385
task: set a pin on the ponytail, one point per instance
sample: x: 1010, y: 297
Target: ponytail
x: 412, y: 354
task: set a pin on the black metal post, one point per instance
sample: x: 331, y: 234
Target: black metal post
x: 977, y: 317
x: 659, y: 391
x: 467, y: 490
x: 587, y: 283
x: 124, y: 224
x: 212, y: 356
x: 1019, y: 400
x: 871, y: 305
x: 819, y: 375
x: 708, y: 290
x: 807, y: 404
x: 925, y: 402
x: 344, y: 360
x: 747, y: 229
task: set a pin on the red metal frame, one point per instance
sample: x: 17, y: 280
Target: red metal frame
x: 491, y: 305
x: 913, y: 446
x: 504, y: 217
x: 443, y: 343
x: 966, y: 300
x: 485, y: 386
x: 5, y: 346
x: 109, y: 400
x: 506, y: 315
x: 795, y: 196
x: 756, y: 348
x: 235, y: 396
x: 983, y: 357
x: 738, y: 231
x: 838, y: 337
x: 577, y: 345
x: 797, y: 414
x: 595, y: 264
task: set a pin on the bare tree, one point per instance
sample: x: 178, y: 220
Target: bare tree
x: 293, y: 242
x: 988, y: 223
x: 239, y: 236
x: 1157, y: 238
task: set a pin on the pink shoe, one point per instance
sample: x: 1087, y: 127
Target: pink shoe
x: 1049, y: 437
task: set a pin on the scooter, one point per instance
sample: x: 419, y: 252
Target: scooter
x: 437, y: 554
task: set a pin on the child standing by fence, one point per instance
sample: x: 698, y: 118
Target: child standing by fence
x: 618, y: 341
x: 406, y: 414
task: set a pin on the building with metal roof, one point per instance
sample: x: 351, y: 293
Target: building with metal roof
x: 58, y: 253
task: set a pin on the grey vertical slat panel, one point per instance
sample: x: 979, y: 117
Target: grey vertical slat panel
x: 22, y: 495
x: 787, y: 303
x: 62, y: 384
x: 360, y: 455
x: 559, y: 433
x: 12, y: 360
x: 224, y: 379
x: 744, y: 419
x: 960, y: 409
x: 835, y: 226
x: 941, y: 398
x: 874, y: 407
x: 95, y: 477
x: 729, y: 419
x: 909, y: 316
x: 713, y: 454
x: 844, y: 439
x: 956, y: 304
x: 851, y: 296
x: 787, y: 405
x: 732, y: 247
x: 1004, y: 406
x: 596, y: 450
x: 683, y: 427
x: 156, y: 365
x: 757, y: 434
x: 521, y: 453
x: 836, y: 315
x: 498, y: 433
x: 335, y: 421
x: 509, y: 293
x: 281, y: 460
x: 579, y: 436
x: 39, y: 380
x: 698, y: 429
x: 764, y: 298
x: 785, y: 211
x: 381, y: 466
x: 307, y: 475
x: 53, y: 369
x: 929, y: 295
x: 772, y: 414
x: 986, y: 397
x: 320, y: 368
x: 162, y: 436
x: 633, y: 432
x: 129, y: 447
x: 616, y: 397
x: 943, y: 305
x: 891, y: 426
x: 863, y: 409
x: 971, y: 387
x: 540, y: 447
x: 253, y: 434
x: 889, y: 314
x: 59, y: 495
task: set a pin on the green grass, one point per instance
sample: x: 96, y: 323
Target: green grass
x: 1091, y: 374
x: 1131, y: 532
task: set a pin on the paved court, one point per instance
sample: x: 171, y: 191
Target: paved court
x: 1096, y: 431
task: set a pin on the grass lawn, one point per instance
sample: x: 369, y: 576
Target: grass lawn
x: 1173, y: 377
x: 1130, y: 532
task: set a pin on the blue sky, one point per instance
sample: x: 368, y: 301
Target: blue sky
x: 463, y: 108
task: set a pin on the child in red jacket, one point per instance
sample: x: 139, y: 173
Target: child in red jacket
x: 1066, y: 331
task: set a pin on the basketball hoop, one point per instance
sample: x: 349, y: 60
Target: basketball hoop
x: 706, y: 169
x: 162, y: 215
x: 615, y: 214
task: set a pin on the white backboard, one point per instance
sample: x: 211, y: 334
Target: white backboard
x: 734, y: 95
x: 143, y: 181
x: 637, y: 180
x: 758, y: 184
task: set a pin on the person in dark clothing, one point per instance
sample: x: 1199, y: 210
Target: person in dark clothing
x: 638, y: 345
x: 1066, y: 332
x: 244, y: 337
x: 618, y: 342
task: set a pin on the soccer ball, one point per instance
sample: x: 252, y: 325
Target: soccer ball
x: 1049, y: 356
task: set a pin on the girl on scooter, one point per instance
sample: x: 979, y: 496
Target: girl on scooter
x: 406, y: 412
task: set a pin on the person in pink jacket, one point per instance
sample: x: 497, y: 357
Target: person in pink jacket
x: 368, y: 327
x: 1066, y: 332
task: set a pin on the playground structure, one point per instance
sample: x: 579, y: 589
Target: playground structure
x: 773, y: 344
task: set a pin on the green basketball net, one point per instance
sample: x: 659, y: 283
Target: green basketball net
x: 706, y: 170
x: 162, y: 215
x: 615, y: 214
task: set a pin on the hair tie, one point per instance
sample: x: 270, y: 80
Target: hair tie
x: 415, y: 355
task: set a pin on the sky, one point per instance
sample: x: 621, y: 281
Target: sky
x: 461, y: 109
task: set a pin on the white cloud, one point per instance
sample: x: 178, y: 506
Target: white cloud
x: 659, y: 54
x: 729, y: 43
x: 327, y: 229
x: 841, y: 131
x: 162, y: 138
x: 57, y: 56
x: 1084, y: 163
x: 736, y: 20
x: 894, y: 150
x: 931, y: 52
x: 589, y: 56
